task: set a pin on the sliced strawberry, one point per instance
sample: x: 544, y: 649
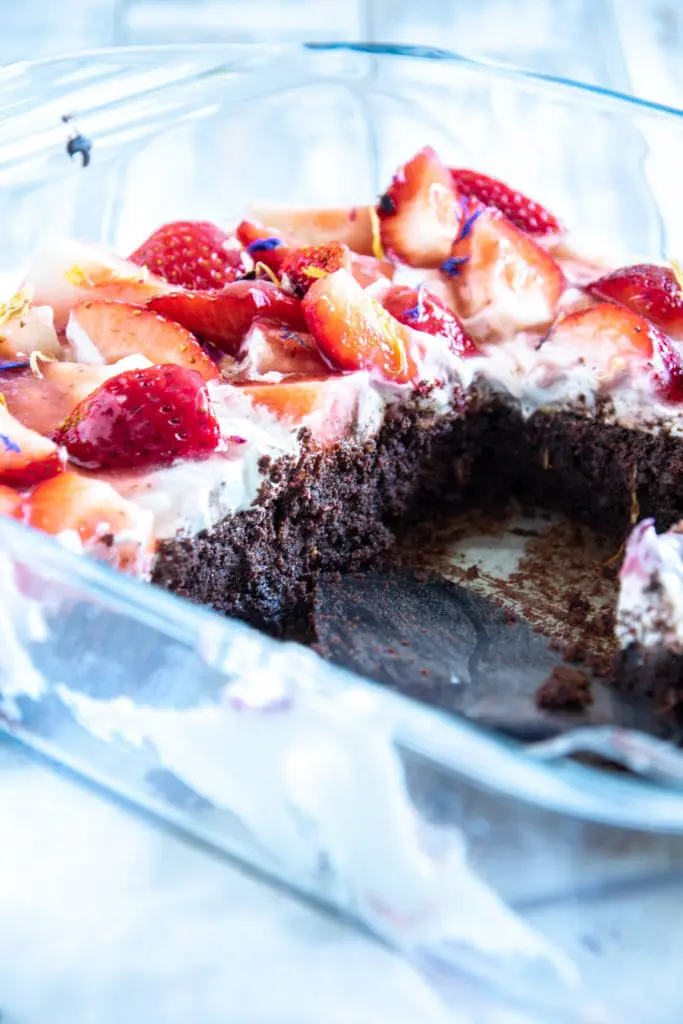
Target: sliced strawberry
x: 304, y: 266
x: 493, y: 265
x: 270, y: 347
x: 424, y: 311
x: 192, y: 254
x: 25, y: 456
x: 42, y: 403
x: 523, y: 212
x: 62, y: 274
x: 647, y: 289
x: 419, y: 214
x: 106, y: 525
x: 264, y: 245
x: 102, y: 331
x: 613, y: 341
x: 350, y: 225
x: 223, y: 318
x: 25, y: 328
x: 354, y: 332
x: 10, y: 503
x: 326, y: 405
x: 142, y: 418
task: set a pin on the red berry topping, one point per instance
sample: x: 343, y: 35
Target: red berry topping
x: 523, y: 212
x: 192, y: 254
x: 142, y: 418
x: 419, y: 214
x: 304, y: 266
x: 647, y: 289
x: 223, y: 318
x: 424, y: 311
x: 354, y: 332
x: 26, y: 457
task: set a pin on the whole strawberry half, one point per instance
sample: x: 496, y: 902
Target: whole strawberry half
x: 223, y: 318
x: 424, y: 311
x: 522, y: 211
x: 354, y: 332
x: 192, y: 254
x: 419, y: 214
x: 142, y: 419
x: 647, y: 289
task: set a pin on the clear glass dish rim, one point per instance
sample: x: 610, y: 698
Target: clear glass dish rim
x: 456, y: 745
x: 428, y: 54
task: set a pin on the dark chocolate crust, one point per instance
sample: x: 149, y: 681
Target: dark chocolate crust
x: 330, y: 510
x: 340, y: 508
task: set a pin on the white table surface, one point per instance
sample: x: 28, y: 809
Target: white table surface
x: 105, y: 919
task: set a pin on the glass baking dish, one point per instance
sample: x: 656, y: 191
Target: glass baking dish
x: 507, y: 877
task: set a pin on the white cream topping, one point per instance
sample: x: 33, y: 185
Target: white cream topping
x: 650, y: 605
x: 192, y: 496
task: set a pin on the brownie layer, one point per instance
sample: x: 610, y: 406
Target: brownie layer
x: 339, y: 509
x: 330, y: 510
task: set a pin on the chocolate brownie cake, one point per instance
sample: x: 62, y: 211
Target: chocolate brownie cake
x: 229, y: 414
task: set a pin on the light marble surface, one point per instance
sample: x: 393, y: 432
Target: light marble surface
x: 104, y: 918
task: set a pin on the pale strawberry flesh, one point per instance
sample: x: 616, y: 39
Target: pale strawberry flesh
x: 648, y: 289
x: 26, y: 457
x: 192, y: 254
x: 354, y: 332
x: 524, y: 213
x: 424, y: 311
x: 615, y: 341
x: 419, y: 214
x: 108, y: 331
x: 270, y: 348
x: 223, y: 318
x: 107, y: 526
x: 142, y: 418
x: 495, y: 266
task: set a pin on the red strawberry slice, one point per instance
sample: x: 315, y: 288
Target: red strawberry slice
x: 613, y: 341
x: 354, y: 332
x: 495, y: 265
x: 223, y: 318
x: 304, y: 266
x: 192, y: 254
x: 104, y: 331
x: 650, y: 290
x: 142, y: 418
x: 108, y: 527
x: 325, y: 404
x: 523, y: 212
x: 424, y: 311
x: 25, y: 456
x: 42, y: 403
x: 10, y: 503
x: 419, y: 214
x: 351, y: 225
x: 64, y: 273
x: 264, y: 245
x: 274, y: 348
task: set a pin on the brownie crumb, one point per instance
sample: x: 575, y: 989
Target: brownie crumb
x: 565, y: 689
x: 472, y: 573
